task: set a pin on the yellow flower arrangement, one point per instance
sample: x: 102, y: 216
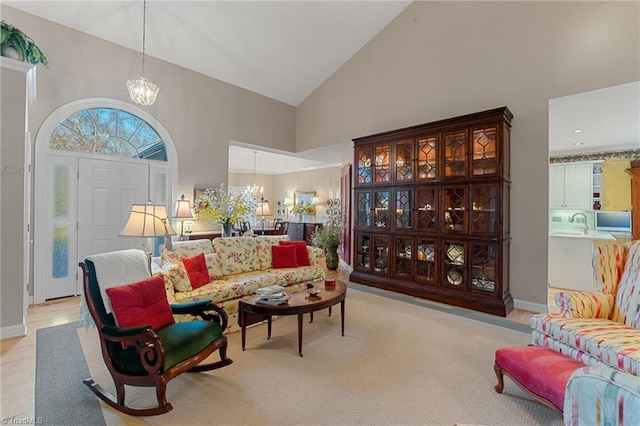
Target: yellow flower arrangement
x: 219, y: 205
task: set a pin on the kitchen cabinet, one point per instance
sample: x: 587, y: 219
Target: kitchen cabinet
x: 570, y: 186
x: 432, y: 211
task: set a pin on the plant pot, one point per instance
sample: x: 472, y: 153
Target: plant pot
x: 332, y: 258
x: 226, y: 229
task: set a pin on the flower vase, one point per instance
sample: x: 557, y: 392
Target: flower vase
x: 332, y: 258
x: 226, y: 229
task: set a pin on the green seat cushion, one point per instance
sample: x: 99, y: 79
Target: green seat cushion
x: 181, y: 341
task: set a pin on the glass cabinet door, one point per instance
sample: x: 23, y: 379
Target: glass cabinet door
x: 484, y: 207
x: 484, y: 159
x: 455, y: 154
x: 427, y: 162
x: 403, y: 257
x: 363, y: 252
x: 381, y: 254
x: 364, y: 172
x: 364, y: 209
x: 381, y: 208
x: 402, y: 209
x: 427, y: 208
x: 404, y: 160
x: 483, y: 267
x: 426, y: 260
x: 381, y: 166
x: 454, y: 267
x: 454, y: 206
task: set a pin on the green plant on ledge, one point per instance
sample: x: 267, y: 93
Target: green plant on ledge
x: 329, y: 235
x: 15, y: 44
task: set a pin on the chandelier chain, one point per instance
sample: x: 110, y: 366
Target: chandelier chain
x: 144, y: 32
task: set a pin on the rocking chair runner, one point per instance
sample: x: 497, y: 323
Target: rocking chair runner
x: 140, y: 356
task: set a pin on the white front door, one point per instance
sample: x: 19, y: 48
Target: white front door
x: 106, y: 191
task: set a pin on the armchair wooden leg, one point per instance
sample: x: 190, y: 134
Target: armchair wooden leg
x: 111, y: 401
x: 500, y: 386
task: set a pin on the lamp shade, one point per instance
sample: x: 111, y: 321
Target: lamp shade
x: 263, y: 209
x: 147, y: 220
x: 182, y: 209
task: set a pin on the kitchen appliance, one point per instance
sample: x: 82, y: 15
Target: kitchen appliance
x: 613, y: 221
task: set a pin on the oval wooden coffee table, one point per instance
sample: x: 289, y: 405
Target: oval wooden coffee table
x: 252, y: 311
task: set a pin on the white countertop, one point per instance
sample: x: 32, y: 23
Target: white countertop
x: 592, y: 235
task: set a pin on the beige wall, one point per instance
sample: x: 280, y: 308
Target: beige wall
x: 443, y: 59
x: 12, y: 137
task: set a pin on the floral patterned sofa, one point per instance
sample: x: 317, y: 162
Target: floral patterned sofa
x: 237, y: 266
x: 599, y: 328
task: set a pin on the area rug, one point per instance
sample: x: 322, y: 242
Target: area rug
x: 399, y: 363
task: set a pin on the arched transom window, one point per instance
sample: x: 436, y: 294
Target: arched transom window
x: 108, y: 131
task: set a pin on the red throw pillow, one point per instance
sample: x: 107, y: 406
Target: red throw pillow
x: 284, y: 256
x: 197, y: 270
x: 301, y: 251
x: 141, y: 303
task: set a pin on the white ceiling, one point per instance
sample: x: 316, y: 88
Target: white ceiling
x: 281, y: 49
x: 609, y: 119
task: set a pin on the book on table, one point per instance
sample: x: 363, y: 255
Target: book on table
x: 274, y: 299
x: 272, y: 290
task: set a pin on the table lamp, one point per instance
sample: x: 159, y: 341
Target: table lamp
x: 182, y: 212
x: 149, y: 220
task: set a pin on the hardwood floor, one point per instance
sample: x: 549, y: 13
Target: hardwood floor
x: 17, y: 355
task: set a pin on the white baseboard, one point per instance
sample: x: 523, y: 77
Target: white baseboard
x: 13, y: 331
x: 530, y: 306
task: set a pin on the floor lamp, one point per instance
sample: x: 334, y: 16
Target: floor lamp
x: 182, y: 212
x: 150, y: 221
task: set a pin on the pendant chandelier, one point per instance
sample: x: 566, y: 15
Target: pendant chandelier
x: 142, y: 91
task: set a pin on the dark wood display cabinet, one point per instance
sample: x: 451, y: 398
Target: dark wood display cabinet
x: 432, y: 211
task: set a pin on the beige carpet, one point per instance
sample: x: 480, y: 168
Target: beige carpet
x: 398, y: 363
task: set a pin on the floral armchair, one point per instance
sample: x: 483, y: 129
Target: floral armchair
x: 599, y: 327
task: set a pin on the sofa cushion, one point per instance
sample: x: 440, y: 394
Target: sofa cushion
x: 182, y: 249
x: 213, y: 266
x: 302, y: 255
x: 627, y: 308
x: 197, y: 271
x: 612, y: 343
x: 263, y: 245
x: 237, y: 254
x: 284, y: 256
x: 228, y: 288
x: 178, y: 276
x: 141, y: 303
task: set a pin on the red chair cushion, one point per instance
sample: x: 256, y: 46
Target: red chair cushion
x: 141, y: 303
x: 542, y: 371
x: 197, y: 270
x: 283, y: 256
x: 301, y: 251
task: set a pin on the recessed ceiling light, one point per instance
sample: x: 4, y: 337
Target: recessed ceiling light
x: 578, y: 143
x: 578, y: 131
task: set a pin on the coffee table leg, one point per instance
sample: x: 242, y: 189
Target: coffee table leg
x: 269, y: 328
x: 300, y: 334
x: 311, y: 317
x: 330, y: 310
x: 243, y: 326
x: 342, y: 315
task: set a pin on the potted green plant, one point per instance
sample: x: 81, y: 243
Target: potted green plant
x: 15, y: 44
x: 329, y: 237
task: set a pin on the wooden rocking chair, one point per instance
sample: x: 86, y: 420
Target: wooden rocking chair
x: 140, y: 356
